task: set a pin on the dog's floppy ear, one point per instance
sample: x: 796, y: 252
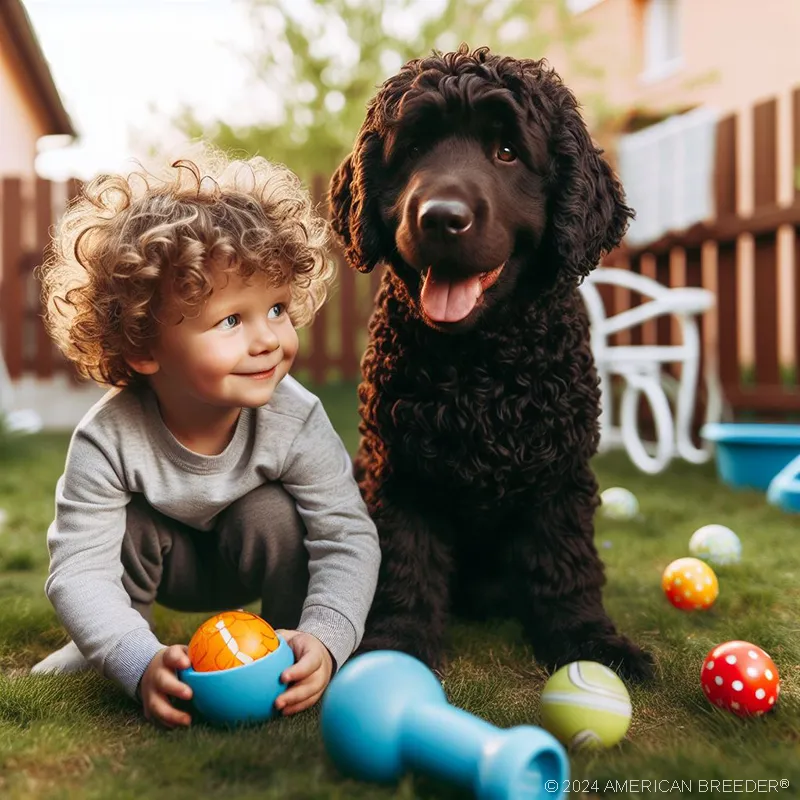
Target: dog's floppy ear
x: 340, y: 199
x: 353, y: 209
x: 589, y: 216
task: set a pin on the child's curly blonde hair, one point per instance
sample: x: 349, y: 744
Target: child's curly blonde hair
x: 130, y: 244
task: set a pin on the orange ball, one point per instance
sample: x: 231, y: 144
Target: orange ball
x: 690, y: 584
x: 231, y: 639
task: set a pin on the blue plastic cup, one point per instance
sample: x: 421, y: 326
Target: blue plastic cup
x: 240, y: 695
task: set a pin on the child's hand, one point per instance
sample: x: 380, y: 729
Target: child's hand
x: 160, y: 682
x: 309, y: 675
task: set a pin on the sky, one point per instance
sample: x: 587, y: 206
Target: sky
x: 124, y: 67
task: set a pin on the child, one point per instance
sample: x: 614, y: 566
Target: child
x: 207, y: 478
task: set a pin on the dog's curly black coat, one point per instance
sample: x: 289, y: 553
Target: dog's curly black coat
x: 475, y: 173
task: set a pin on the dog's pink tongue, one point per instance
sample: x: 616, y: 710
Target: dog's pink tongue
x: 449, y: 301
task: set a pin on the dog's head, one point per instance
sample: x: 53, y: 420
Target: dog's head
x: 471, y: 173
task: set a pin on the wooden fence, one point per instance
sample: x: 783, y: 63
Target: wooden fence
x: 749, y: 255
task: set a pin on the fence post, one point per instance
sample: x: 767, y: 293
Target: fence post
x: 12, y: 300
x: 796, y: 144
x: 796, y: 176
x: 663, y: 325
x: 694, y: 277
x: 726, y: 180
x: 348, y: 320
x: 765, y: 155
x: 728, y: 315
x: 44, y: 213
x: 317, y: 360
x: 765, y: 182
x: 618, y: 299
x: 726, y: 176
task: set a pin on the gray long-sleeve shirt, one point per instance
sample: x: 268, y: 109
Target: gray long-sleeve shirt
x: 122, y: 447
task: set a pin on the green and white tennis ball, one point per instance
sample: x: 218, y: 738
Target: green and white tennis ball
x: 716, y: 544
x: 585, y: 704
x: 619, y: 504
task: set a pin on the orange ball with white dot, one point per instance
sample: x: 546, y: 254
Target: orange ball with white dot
x: 690, y: 584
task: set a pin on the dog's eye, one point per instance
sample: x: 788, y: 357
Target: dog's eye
x: 505, y: 153
x: 412, y: 150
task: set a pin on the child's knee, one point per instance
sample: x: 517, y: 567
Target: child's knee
x: 143, y: 525
x: 270, y: 509
x: 263, y: 530
x: 142, y: 545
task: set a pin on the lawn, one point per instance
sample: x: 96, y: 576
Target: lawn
x: 79, y: 737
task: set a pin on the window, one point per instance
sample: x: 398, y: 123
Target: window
x: 576, y: 6
x: 667, y: 171
x: 662, y: 39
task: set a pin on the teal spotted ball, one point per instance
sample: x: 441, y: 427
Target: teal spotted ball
x: 716, y: 544
x: 618, y: 504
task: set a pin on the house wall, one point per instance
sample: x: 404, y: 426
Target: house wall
x: 22, y: 120
x: 734, y: 53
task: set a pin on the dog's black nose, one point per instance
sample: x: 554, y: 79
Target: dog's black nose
x: 445, y: 216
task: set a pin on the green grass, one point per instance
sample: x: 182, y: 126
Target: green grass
x: 79, y: 737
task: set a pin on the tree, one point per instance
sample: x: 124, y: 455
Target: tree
x: 324, y: 59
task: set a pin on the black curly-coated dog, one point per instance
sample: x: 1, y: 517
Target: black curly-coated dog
x: 474, y: 180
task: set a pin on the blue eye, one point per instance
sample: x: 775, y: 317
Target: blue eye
x: 230, y: 322
x: 276, y: 311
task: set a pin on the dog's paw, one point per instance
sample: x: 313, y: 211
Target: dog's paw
x: 606, y: 647
x: 622, y: 655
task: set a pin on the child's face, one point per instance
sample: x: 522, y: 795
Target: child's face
x: 235, y: 351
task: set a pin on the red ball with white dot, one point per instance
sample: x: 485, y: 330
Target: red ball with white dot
x: 742, y: 678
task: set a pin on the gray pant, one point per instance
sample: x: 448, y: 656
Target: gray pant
x: 255, y: 551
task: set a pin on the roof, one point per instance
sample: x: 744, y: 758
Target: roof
x: 15, y: 19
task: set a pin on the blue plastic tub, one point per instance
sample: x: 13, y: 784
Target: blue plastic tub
x: 750, y: 455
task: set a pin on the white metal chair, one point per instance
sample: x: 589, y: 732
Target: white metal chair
x: 642, y: 369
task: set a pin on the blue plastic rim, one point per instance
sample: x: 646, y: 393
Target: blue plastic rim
x: 784, y: 489
x: 750, y: 455
x: 242, y: 695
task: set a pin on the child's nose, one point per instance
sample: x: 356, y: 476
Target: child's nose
x: 265, y: 338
